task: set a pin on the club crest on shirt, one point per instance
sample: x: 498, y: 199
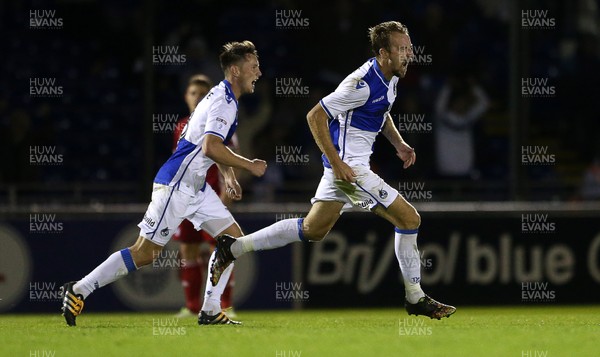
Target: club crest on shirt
x: 361, y: 84
x: 164, y: 232
x: 383, y: 194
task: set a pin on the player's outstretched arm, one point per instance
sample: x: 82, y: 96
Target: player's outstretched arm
x: 213, y: 147
x: 317, y: 121
x: 403, y: 150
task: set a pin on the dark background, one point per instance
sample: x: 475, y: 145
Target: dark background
x: 102, y: 126
x: 102, y: 123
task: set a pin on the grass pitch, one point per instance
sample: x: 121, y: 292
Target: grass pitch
x: 504, y: 331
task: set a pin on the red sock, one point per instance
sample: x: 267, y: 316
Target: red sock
x: 191, y: 280
x: 227, y: 297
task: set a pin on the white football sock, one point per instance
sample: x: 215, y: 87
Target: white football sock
x: 212, y: 294
x: 410, y: 263
x: 274, y: 236
x: 116, y: 266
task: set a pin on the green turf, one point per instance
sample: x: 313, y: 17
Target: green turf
x: 507, y: 331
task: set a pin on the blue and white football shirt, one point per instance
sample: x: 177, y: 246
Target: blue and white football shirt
x: 216, y: 114
x: 357, y: 110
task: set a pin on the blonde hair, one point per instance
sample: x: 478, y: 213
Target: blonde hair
x: 379, y: 35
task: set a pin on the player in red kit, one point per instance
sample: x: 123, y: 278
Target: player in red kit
x: 196, y: 246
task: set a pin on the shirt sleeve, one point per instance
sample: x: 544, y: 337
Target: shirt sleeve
x: 220, y: 119
x: 350, y: 94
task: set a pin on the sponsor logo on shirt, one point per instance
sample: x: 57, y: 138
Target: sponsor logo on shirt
x: 364, y: 204
x: 378, y: 99
x: 149, y: 221
x: 221, y: 122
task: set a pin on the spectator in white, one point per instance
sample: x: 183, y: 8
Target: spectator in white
x: 459, y: 105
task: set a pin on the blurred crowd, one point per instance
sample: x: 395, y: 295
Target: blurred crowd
x: 459, y: 87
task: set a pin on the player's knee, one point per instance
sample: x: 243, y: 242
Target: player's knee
x: 413, y: 220
x: 315, y: 234
x: 142, y: 256
x: 314, y: 237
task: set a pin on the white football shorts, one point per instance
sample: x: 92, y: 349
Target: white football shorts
x: 170, y: 206
x: 369, y: 190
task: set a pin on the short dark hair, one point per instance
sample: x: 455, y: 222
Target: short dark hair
x: 200, y: 82
x: 201, y: 77
x: 379, y: 35
x: 233, y: 52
